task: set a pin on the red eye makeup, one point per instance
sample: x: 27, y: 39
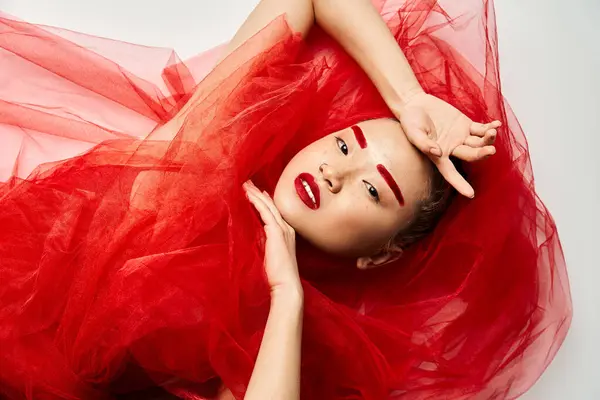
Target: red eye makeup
x: 387, y: 176
x: 391, y: 183
x: 360, y: 137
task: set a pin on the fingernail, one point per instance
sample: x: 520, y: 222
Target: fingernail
x: 435, y: 151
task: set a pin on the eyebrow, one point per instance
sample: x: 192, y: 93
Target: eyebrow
x: 389, y: 179
x: 387, y: 176
x: 360, y: 136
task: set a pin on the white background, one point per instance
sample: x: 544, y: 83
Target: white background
x: 550, y: 65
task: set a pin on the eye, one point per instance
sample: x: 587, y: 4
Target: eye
x: 342, y: 146
x: 372, y: 191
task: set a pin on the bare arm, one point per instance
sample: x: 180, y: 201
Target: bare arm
x: 276, y: 374
x: 433, y: 126
x: 355, y: 24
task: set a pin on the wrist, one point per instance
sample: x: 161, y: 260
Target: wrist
x: 288, y: 295
x: 405, y: 95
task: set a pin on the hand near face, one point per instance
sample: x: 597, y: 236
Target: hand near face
x: 280, y: 250
x: 439, y: 130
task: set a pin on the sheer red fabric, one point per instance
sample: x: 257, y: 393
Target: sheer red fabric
x: 110, y: 287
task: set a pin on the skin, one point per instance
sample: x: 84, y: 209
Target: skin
x: 346, y: 182
x: 277, y: 369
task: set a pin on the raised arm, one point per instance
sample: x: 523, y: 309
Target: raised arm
x: 355, y: 24
x: 359, y: 29
x: 435, y: 127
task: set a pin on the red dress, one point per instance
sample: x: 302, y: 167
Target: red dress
x: 99, y: 298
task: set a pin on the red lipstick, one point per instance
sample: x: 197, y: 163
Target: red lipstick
x: 306, y: 185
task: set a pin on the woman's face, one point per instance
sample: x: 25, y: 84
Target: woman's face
x: 351, y: 191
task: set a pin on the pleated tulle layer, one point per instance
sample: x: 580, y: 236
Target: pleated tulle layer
x: 129, y: 261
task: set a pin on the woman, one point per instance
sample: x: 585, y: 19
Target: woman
x: 154, y: 268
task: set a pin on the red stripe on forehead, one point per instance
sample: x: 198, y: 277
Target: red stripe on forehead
x: 389, y: 179
x: 360, y: 137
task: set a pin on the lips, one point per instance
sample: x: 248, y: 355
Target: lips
x: 305, y: 186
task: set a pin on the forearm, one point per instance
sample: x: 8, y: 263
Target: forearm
x: 355, y: 24
x: 361, y: 31
x: 276, y: 373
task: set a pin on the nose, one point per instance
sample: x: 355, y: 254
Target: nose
x: 332, y: 176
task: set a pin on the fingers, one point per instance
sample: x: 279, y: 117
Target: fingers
x: 267, y: 202
x: 478, y: 129
x: 471, y: 154
x: 454, y: 178
x: 275, y: 211
x: 273, y: 208
x: 422, y: 142
x: 263, y: 210
x: 487, y: 140
x: 264, y: 196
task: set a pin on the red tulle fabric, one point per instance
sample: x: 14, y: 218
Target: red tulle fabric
x: 110, y: 288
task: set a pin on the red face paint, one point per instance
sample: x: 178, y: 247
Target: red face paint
x: 360, y: 137
x: 391, y: 183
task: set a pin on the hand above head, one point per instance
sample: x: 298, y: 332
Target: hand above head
x: 439, y: 130
x: 281, y: 266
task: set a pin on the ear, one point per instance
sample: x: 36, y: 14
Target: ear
x: 380, y: 258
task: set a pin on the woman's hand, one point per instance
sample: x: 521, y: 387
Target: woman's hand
x: 276, y: 374
x: 439, y: 130
x: 280, y: 250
